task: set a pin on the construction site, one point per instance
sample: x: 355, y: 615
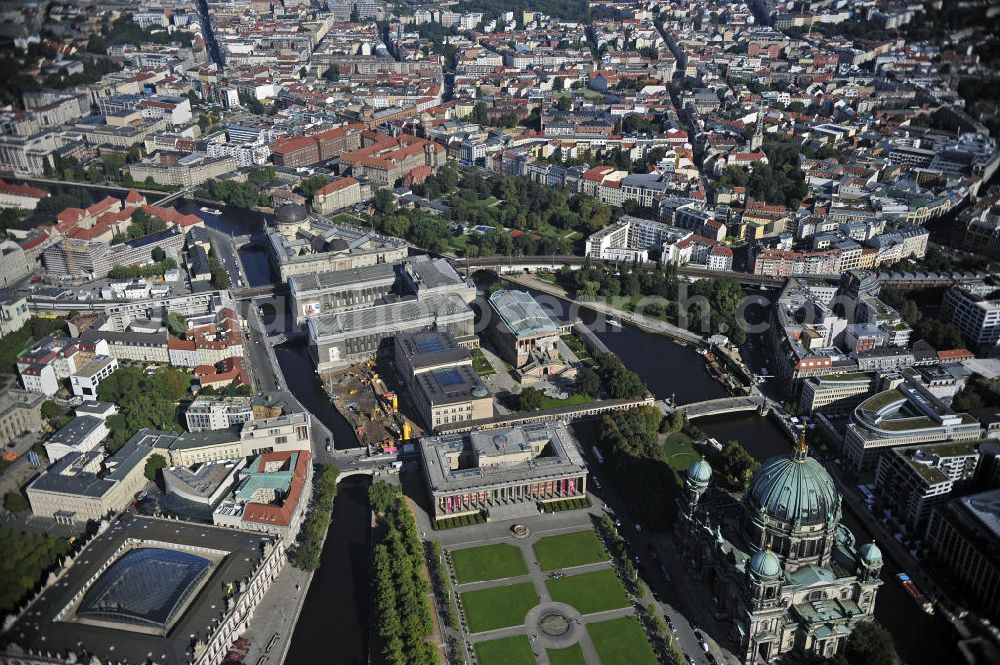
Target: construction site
x: 371, y: 404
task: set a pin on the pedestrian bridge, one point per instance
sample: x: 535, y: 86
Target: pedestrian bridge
x: 724, y: 405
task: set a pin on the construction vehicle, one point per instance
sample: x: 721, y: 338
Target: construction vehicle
x: 407, y: 430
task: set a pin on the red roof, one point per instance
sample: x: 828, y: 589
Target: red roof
x: 955, y: 354
x: 22, y: 190
x: 265, y: 513
x: 335, y: 186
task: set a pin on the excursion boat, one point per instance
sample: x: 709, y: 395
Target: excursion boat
x: 210, y: 211
x: 915, y: 593
x: 614, y: 322
x: 702, y: 351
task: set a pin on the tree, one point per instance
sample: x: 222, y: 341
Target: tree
x: 529, y: 399
x: 51, y: 410
x: 16, y: 503
x: 868, y: 644
x: 737, y: 466
x: 154, y: 463
x: 676, y: 421
x: 158, y: 254
x: 587, y: 382
x: 384, y: 202
x: 564, y: 103
x: 381, y: 495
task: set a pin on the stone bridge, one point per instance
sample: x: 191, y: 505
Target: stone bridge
x: 716, y: 407
x: 577, y: 412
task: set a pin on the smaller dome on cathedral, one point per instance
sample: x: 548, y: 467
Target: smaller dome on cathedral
x: 870, y: 554
x: 700, y: 472
x: 765, y: 564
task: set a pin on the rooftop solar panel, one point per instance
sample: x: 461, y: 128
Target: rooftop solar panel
x: 449, y: 378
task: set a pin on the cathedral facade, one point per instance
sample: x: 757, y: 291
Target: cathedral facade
x: 784, y: 573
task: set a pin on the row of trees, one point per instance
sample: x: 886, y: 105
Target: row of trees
x: 143, y: 401
x: 309, y: 550
x: 24, y: 560
x: 400, y: 590
x: 442, y: 585
x: 706, y: 307
x: 635, y: 457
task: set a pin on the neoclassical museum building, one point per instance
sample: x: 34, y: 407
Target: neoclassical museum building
x: 784, y: 573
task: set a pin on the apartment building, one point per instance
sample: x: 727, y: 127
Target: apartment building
x: 84, y: 381
x: 976, y: 316
x: 913, y: 480
x: 214, y: 413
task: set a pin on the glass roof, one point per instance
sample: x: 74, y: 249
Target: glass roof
x: 146, y: 586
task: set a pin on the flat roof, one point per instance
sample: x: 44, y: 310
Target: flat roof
x: 41, y: 630
x: 401, y: 313
x: 565, y: 460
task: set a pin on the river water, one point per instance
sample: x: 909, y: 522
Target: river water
x: 333, y: 625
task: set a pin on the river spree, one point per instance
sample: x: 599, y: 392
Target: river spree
x: 333, y: 625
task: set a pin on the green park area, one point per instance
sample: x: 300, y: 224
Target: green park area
x: 572, y: 655
x: 589, y: 592
x: 489, y: 562
x: 498, y: 607
x: 481, y: 364
x: 621, y: 642
x: 570, y: 549
x: 514, y: 650
x: 680, y: 454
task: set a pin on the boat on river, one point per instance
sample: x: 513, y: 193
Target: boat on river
x: 210, y: 211
x: 915, y: 593
x: 614, y: 322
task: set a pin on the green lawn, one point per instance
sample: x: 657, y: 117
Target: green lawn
x: 498, y: 607
x: 621, y: 642
x: 590, y: 592
x: 678, y: 450
x: 489, y: 562
x: 572, y: 400
x: 514, y: 650
x: 481, y: 364
x: 570, y: 549
x: 569, y: 656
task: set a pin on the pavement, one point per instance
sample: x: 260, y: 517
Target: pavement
x: 276, y: 614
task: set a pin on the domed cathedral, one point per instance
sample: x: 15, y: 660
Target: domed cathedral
x: 785, y: 574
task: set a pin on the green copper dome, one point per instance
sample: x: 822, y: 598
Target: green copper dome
x: 700, y: 472
x: 765, y: 564
x: 870, y: 554
x: 795, y: 489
